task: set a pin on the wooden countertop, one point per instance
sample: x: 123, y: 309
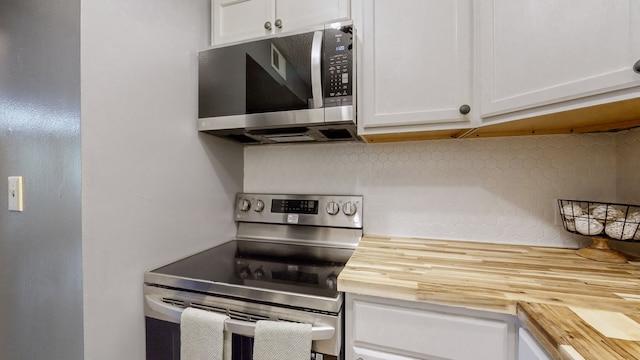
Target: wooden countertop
x: 542, y: 285
x: 572, y: 333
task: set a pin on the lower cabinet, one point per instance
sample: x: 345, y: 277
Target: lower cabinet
x: 380, y: 328
x: 528, y: 347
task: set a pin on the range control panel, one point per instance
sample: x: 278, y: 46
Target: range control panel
x: 318, y: 210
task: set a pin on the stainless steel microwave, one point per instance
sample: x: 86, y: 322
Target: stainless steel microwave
x: 287, y: 88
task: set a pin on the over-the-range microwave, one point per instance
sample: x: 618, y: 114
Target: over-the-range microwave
x: 286, y: 88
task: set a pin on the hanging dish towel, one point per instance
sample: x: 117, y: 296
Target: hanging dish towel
x: 282, y: 341
x: 202, y: 336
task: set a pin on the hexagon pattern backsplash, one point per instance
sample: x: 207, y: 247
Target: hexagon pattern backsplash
x: 501, y: 190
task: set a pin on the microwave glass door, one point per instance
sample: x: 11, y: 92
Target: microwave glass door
x: 270, y: 75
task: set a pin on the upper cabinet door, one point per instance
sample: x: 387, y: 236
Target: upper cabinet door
x: 237, y: 20
x: 301, y: 13
x: 536, y: 53
x: 416, y: 65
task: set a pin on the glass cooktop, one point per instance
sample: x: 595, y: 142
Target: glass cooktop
x: 228, y: 265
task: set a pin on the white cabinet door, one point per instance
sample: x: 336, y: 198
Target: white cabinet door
x: 416, y: 64
x: 302, y: 13
x: 236, y: 20
x: 536, y: 53
x: 528, y: 347
x: 377, y: 326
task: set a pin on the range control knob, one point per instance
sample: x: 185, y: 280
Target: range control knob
x: 349, y: 209
x: 244, y: 273
x: 331, y: 282
x: 259, y: 206
x: 258, y: 274
x: 333, y: 208
x: 245, y: 205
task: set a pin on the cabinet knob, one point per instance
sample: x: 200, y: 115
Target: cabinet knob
x: 465, y: 109
x: 267, y: 25
x: 636, y: 67
x: 279, y: 23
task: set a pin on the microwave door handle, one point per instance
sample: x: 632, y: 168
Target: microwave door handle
x: 245, y: 328
x: 316, y: 69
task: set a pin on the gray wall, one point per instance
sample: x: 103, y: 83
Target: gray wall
x: 40, y: 248
x: 153, y: 189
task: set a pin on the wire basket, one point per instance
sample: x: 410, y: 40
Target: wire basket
x: 603, y: 222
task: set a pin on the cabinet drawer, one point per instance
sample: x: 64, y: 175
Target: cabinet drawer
x: 441, y: 335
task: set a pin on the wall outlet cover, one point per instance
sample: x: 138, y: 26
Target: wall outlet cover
x: 15, y: 194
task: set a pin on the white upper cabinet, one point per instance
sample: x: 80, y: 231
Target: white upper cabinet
x: 535, y: 53
x: 415, y: 65
x: 236, y: 20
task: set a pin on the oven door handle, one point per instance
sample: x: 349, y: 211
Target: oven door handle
x: 247, y: 328
x: 244, y: 328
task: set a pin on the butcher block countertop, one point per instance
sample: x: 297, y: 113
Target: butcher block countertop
x: 576, y: 308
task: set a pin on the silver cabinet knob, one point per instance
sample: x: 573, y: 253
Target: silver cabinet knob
x: 349, y: 209
x: 636, y: 67
x: 333, y: 208
x: 267, y: 25
x: 279, y: 23
x: 245, y: 205
x: 259, y: 206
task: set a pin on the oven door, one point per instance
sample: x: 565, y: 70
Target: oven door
x: 163, y: 308
x: 163, y: 343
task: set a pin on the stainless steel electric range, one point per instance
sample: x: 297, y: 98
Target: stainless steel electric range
x: 283, y: 265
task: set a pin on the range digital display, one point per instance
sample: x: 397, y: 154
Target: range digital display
x: 294, y: 206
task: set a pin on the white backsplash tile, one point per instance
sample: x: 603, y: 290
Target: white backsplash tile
x: 492, y: 190
x: 629, y: 166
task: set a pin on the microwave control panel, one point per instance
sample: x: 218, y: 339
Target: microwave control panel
x: 338, y: 66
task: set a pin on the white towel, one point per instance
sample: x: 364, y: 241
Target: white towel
x: 282, y: 341
x: 202, y: 336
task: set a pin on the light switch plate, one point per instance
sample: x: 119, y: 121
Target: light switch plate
x: 15, y: 193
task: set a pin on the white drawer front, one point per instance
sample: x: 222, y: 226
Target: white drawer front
x: 428, y: 333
